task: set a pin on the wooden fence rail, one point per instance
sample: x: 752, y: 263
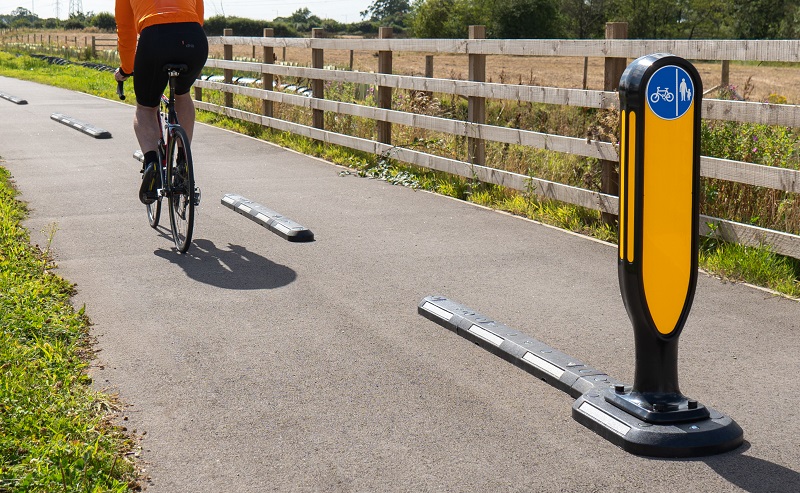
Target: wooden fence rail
x: 476, y: 91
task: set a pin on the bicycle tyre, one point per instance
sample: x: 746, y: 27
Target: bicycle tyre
x: 154, y: 209
x: 154, y: 213
x: 181, y: 191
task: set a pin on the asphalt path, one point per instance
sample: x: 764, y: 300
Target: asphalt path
x: 254, y: 364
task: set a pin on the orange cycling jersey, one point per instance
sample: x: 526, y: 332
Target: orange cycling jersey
x: 134, y: 15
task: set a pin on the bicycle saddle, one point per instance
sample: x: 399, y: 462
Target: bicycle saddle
x: 178, y: 67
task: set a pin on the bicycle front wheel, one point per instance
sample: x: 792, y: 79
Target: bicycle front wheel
x: 180, y: 177
x: 154, y: 213
x: 154, y: 209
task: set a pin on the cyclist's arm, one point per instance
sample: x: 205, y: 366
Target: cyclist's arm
x: 126, y: 34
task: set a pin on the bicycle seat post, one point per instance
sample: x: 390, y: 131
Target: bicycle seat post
x: 173, y: 71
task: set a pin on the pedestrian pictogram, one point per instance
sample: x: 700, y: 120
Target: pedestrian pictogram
x: 670, y: 92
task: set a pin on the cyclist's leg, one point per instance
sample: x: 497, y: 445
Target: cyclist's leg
x: 146, y: 128
x: 184, y: 106
x: 149, y: 82
x: 193, y: 52
x: 148, y: 132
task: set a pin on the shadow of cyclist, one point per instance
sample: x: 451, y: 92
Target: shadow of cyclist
x: 233, y: 268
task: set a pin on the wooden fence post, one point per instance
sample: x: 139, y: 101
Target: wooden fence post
x: 385, y: 93
x: 227, y: 54
x: 268, y: 57
x: 725, y: 77
x: 429, y: 73
x: 94, y: 47
x: 318, y: 85
x: 614, y: 67
x: 585, y: 73
x: 476, y: 110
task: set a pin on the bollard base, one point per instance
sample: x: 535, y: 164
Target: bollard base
x: 711, y: 435
x: 673, y: 427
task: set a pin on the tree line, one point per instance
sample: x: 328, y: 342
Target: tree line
x: 586, y: 19
x: 506, y: 19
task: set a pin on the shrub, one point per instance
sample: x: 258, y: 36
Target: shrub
x: 214, y: 26
x: 104, y: 21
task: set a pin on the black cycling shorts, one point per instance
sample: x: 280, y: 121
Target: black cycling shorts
x: 159, y: 45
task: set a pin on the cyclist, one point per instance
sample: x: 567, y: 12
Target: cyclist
x: 170, y: 31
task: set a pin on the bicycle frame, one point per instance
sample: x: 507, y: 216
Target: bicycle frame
x: 167, y: 131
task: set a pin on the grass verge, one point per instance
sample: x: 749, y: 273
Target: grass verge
x: 55, y: 431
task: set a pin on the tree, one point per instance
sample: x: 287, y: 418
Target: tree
x: 705, y: 19
x: 447, y: 18
x: 383, y: 9
x: 300, y: 16
x: 650, y: 19
x: 585, y: 19
x: 764, y: 19
x: 75, y: 21
x: 301, y: 19
x: 104, y: 21
x: 526, y: 19
x: 22, y: 17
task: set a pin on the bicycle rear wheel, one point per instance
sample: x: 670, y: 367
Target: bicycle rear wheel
x: 180, y: 179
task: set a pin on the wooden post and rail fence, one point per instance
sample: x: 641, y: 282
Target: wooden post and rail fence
x: 92, y: 42
x: 615, y: 50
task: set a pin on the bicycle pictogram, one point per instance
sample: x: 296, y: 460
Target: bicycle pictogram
x: 660, y: 94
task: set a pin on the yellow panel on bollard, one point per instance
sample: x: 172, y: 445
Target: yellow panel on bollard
x: 658, y: 218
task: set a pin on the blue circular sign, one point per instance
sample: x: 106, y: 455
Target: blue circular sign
x: 670, y: 92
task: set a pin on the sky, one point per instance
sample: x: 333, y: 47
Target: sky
x: 341, y: 10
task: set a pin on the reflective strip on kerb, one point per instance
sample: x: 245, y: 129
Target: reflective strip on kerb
x: 608, y: 420
x: 281, y: 227
x: 486, y: 335
x: 543, y: 365
x: 439, y: 312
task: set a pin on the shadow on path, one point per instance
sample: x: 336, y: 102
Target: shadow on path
x: 233, y: 268
x: 753, y: 474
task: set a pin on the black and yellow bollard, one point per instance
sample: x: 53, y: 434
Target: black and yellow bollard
x: 660, y: 99
x: 660, y: 104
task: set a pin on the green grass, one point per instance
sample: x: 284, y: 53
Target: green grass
x: 72, y: 77
x: 55, y: 433
x: 759, y: 266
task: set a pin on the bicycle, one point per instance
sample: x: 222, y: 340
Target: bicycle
x: 176, y: 170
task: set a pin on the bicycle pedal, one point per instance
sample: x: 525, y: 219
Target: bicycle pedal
x: 196, y: 196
